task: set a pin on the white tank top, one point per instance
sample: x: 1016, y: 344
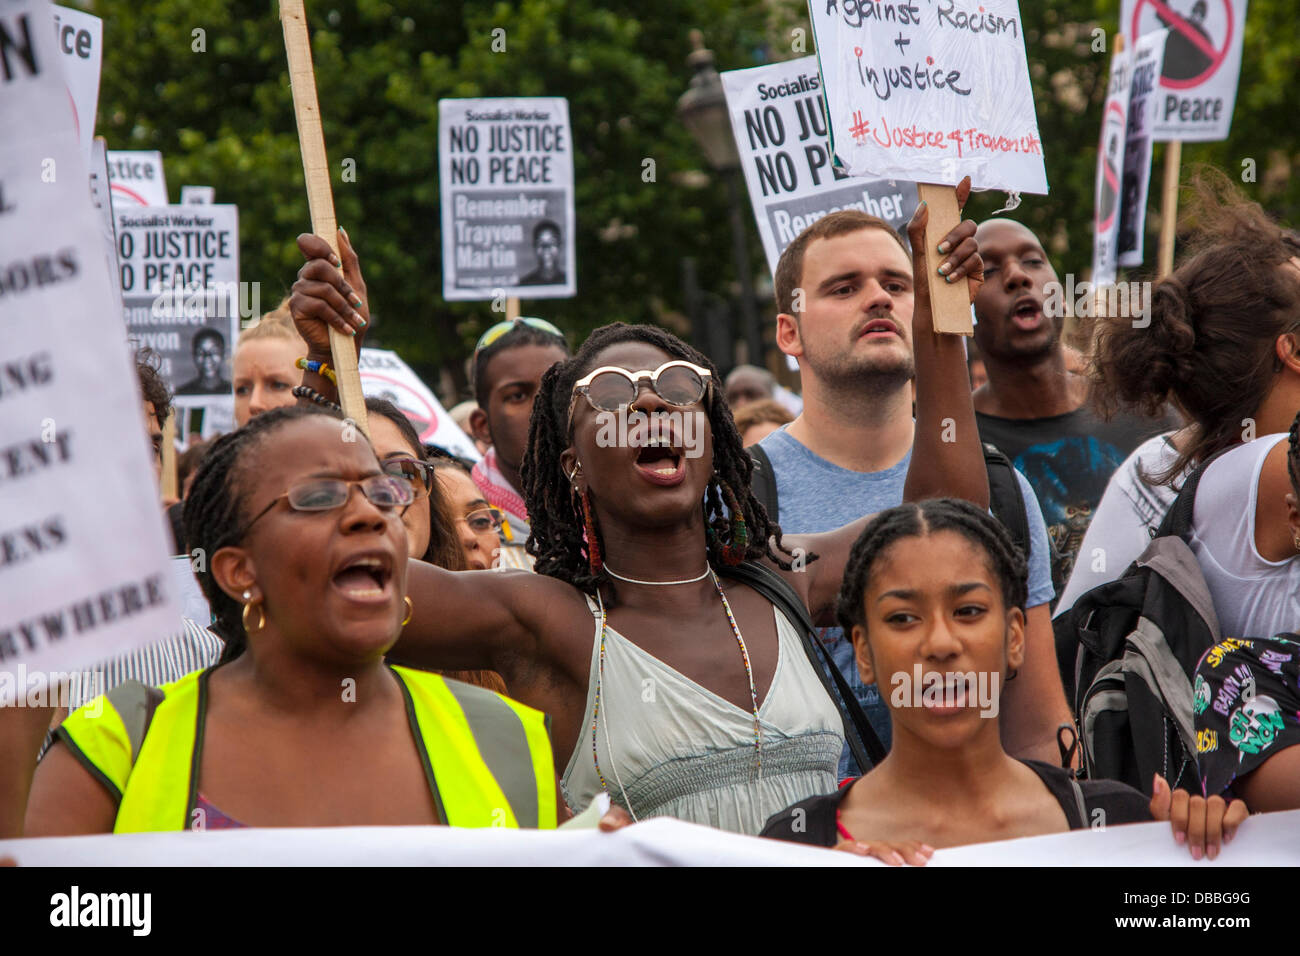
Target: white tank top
x: 669, y: 747
x: 1253, y: 597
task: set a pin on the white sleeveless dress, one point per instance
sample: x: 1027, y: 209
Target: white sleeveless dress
x: 670, y: 747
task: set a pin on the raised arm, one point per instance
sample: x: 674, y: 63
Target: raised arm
x: 947, y: 457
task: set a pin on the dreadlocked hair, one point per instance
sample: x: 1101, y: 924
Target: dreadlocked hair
x: 1293, y: 455
x: 557, y: 527
x: 215, y: 513
x: 918, y: 519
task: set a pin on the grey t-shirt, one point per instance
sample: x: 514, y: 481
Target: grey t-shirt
x: 815, y: 495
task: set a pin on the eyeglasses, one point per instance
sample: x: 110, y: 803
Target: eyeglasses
x: 326, y: 494
x: 419, y: 473
x: 483, y: 520
x: 501, y: 328
x: 611, y: 388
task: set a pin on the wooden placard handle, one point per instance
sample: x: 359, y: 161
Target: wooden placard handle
x: 170, y: 485
x: 320, y: 198
x: 1169, y: 207
x: 949, y: 301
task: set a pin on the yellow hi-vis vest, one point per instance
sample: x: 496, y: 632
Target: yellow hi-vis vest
x: 487, y: 758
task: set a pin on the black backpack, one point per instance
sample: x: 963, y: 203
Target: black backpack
x: 1128, y: 651
x: 1005, y: 498
x: 863, y: 743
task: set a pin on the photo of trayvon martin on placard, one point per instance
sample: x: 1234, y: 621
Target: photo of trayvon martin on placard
x: 181, y: 297
x: 506, y: 168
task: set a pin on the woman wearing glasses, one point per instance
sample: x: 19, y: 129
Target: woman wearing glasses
x: 301, y: 723
x: 478, y: 524
x: 676, y: 692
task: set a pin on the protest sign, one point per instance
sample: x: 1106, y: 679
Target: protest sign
x: 137, y: 178
x: 1198, y: 78
x: 1148, y: 56
x: 81, y: 42
x: 101, y: 198
x: 1266, y: 839
x: 198, y: 195
x: 930, y: 93
x: 385, y: 375
x: 1110, y: 167
x: 83, y: 553
x: 506, y: 186
x: 778, y: 116
x: 179, y: 269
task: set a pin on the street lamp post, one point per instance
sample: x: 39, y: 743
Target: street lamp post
x: 703, y: 111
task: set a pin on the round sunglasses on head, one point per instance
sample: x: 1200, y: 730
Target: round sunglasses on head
x: 326, y: 494
x: 611, y: 388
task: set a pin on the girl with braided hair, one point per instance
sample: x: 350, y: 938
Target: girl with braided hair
x: 934, y: 598
x: 676, y: 691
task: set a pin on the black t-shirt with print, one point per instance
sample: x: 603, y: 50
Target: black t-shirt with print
x: 813, y: 820
x: 1068, y: 460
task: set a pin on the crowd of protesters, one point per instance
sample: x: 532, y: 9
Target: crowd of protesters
x: 720, y: 616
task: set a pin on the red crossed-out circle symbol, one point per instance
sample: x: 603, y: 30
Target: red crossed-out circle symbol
x: 1180, y: 24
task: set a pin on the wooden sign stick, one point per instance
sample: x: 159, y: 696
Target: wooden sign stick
x: 320, y: 199
x: 512, y: 308
x: 170, y: 488
x: 1169, y: 207
x: 949, y: 301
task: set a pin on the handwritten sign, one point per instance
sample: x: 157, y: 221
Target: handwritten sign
x: 1143, y: 100
x: 506, y: 170
x: 1202, y: 62
x: 83, y: 552
x: 385, y: 375
x: 930, y: 91
x: 1110, y: 167
x: 179, y: 268
x: 778, y: 116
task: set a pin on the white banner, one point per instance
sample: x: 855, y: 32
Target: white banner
x: 179, y: 269
x: 1110, y: 169
x: 198, y: 195
x: 506, y: 190
x: 101, y: 198
x: 778, y: 116
x: 1271, y: 839
x: 83, y: 567
x: 137, y: 178
x: 81, y: 41
x: 1198, y: 79
x: 930, y: 92
x: 1148, y: 57
x: 385, y: 375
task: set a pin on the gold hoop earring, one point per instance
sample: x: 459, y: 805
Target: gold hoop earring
x: 410, y: 610
x: 261, y: 617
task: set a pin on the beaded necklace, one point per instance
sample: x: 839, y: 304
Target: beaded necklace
x: 596, y: 714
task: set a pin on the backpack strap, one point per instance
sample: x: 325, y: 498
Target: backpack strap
x: 1006, y: 500
x: 762, y: 483
x: 1078, y: 799
x: 863, y: 743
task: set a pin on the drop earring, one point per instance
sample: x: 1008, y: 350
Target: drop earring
x: 734, y: 553
x: 593, y: 537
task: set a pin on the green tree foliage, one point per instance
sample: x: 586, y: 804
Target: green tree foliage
x: 223, y: 117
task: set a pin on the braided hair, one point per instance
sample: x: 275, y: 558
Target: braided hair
x: 557, y: 531
x: 915, y: 520
x: 216, y: 510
